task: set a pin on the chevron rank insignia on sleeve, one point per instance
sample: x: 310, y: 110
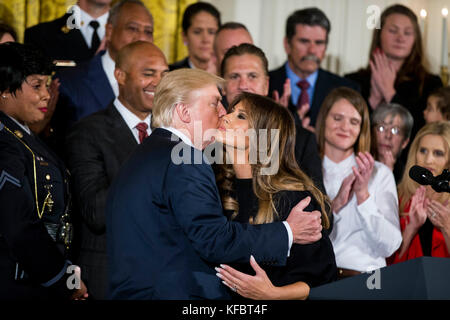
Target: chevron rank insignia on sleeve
x: 6, y: 177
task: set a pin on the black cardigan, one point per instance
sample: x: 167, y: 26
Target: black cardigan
x: 407, y: 94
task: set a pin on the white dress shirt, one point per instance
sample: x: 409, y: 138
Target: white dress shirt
x: 364, y: 235
x: 132, y: 120
x: 109, y: 65
x: 86, y: 30
x: 188, y: 141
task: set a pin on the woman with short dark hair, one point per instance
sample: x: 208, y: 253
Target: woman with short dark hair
x: 35, y: 222
x: 201, y: 20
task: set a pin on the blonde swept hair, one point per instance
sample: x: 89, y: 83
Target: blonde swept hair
x: 175, y: 88
x: 362, y: 144
x: 407, y: 186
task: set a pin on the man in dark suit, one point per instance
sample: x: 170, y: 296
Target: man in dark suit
x: 305, y: 44
x: 76, y: 36
x: 245, y: 69
x: 91, y: 86
x: 164, y: 219
x: 98, y: 145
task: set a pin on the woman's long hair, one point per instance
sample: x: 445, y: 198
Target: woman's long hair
x: 362, y: 144
x: 407, y: 186
x: 264, y: 113
x: 414, y: 66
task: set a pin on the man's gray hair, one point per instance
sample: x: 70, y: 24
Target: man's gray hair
x: 392, y: 110
x: 114, y: 12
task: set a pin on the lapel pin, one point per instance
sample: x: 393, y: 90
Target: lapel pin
x: 65, y: 29
x: 18, y: 134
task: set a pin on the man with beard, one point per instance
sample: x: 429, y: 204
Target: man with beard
x: 99, y: 144
x: 305, y: 44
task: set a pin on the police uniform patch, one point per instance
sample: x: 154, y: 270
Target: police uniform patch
x: 6, y: 177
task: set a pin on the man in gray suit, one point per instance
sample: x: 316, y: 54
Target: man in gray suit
x: 99, y: 144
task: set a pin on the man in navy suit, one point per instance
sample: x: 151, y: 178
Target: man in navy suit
x: 97, y: 146
x: 91, y: 86
x: 305, y: 44
x: 164, y: 220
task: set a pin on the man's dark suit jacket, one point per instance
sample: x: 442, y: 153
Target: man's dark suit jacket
x: 57, y: 41
x: 326, y: 81
x: 97, y: 146
x: 180, y: 64
x: 166, y: 229
x: 85, y: 89
x: 307, y: 155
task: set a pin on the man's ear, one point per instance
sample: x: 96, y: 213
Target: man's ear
x: 120, y: 76
x: 266, y: 86
x: 108, y: 31
x: 184, y: 37
x: 5, y: 94
x: 183, y: 112
x: 287, y: 45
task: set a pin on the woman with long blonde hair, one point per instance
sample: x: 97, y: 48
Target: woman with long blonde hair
x: 260, y: 184
x: 424, y: 213
x: 366, y: 226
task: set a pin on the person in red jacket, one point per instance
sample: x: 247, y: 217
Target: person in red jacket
x: 424, y: 213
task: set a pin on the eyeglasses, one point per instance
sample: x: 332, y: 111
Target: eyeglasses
x: 393, y: 130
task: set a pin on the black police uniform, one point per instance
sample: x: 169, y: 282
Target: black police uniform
x: 35, y: 227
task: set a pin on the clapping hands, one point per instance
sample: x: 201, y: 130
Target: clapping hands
x: 383, y: 75
x: 387, y: 157
x: 418, y: 208
x: 284, y: 99
x: 439, y: 215
x: 305, y: 119
x: 356, y: 183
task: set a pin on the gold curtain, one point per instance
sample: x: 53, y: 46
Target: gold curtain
x: 167, y: 14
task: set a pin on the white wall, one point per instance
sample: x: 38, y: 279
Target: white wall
x: 350, y: 38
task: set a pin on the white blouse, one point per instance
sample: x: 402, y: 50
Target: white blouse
x: 364, y: 235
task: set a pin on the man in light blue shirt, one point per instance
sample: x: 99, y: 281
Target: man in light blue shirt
x: 305, y: 44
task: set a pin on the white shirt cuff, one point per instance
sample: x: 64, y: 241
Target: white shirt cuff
x: 290, y: 237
